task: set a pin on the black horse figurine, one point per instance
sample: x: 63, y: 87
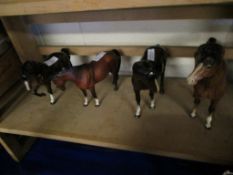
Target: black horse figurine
x: 158, y: 55
x: 43, y: 73
x: 87, y: 75
x: 144, y: 78
x: 208, y: 77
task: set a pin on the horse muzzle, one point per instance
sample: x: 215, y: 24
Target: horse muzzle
x: 191, y: 80
x: 196, y: 75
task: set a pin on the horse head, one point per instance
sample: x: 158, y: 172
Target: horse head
x: 29, y: 70
x: 208, y: 57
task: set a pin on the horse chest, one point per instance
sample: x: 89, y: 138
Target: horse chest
x: 209, y: 91
x: 142, y: 83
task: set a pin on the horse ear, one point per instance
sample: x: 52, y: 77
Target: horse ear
x: 211, y: 40
x: 66, y: 51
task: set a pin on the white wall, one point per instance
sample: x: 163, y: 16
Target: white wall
x: 164, y: 32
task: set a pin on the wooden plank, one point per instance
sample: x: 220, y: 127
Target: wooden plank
x: 16, y: 146
x: 21, y: 38
x: 113, y: 124
x: 181, y: 12
x: 29, y: 7
x: 175, y: 51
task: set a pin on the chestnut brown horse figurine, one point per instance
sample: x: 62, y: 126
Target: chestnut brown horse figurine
x: 87, y: 75
x: 208, y: 77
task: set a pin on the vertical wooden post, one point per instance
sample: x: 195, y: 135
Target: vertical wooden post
x: 21, y: 38
x: 16, y: 146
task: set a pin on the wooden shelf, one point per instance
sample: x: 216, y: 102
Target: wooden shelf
x: 174, y: 51
x: 167, y: 130
x: 30, y: 7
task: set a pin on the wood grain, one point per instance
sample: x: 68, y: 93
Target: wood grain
x: 174, y: 51
x: 113, y: 124
x: 163, y: 13
x: 29, y: 7
x: 21, y: 38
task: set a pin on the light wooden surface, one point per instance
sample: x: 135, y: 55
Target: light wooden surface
x: 174, y: 51
x: 21, y: 38
x: 29, y: 7
x: 180, y: 12
x: 167, y: 130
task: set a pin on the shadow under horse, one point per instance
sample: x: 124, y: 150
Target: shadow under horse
x: 43, y: 72
x: 87, y: 75
x: 208, y: 77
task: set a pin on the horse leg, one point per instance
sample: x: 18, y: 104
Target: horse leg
x: 211, y: 110
x: 152, y: 102
x: 162, y: 79
x: 138, y: 110
x: 36, y: 91
x: 97, y: 102
x: 196, y: 103
x: 115, y: 74
x: 115, y: 79
x: 85, y: 97
x: 49, y: 88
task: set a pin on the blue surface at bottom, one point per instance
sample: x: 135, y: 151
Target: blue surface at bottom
x: 48, y: 157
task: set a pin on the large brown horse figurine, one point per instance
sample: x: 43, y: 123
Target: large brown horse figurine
x: 208, y: 77
x: 87, y: 75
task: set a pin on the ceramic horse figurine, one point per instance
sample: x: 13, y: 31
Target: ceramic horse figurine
x: 158, y: 55
x: 208, y: 77
x: 87, y: 75
x: 43, y: 72
x: 144, y: 78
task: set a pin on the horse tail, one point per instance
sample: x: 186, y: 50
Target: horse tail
x: 117, y: 52
x: 211, y: 40
x: 66, y: 62
x: 66, y: 51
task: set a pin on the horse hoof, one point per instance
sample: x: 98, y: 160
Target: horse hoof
x: 192, y: 115
x: 152, y: 107
x: 85, y: 105
x: 137, y: 116
x: 115, y: 88
x: 207, y: 126
x: 97, y: 105
x: 52, y: 103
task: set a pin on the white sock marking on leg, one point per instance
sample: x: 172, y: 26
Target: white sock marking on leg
x: 208, y: 121
x: 52, y: 100
x: 138, y: 111
x: 194, y: 113
x: 97, y: 102
x: 152, y: 103
x: 85, y: 101
x: 27, y: 85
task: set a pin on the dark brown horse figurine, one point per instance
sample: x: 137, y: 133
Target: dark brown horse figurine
x: 87, y: 75
x: 208, y: 77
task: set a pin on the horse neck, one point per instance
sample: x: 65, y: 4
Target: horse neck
x: 67, y: 75
x: 219, y: 75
